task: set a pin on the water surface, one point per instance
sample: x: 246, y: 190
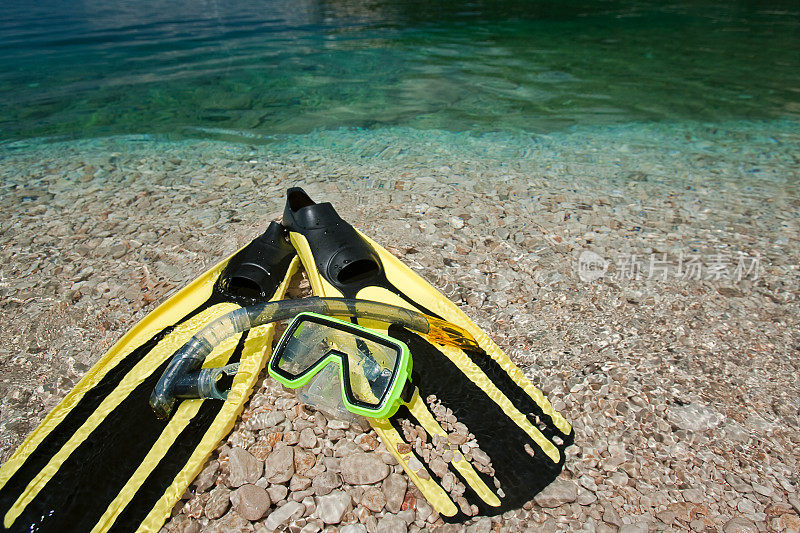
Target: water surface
x: 248, y: 70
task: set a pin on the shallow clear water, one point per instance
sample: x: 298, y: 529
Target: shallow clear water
x: 246, y: 70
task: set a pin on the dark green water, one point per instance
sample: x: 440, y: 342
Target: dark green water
x: 88, y: 68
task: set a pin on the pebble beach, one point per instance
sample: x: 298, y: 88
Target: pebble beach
x: 645, y: 277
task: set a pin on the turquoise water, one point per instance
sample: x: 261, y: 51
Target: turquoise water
x: 245, y: 70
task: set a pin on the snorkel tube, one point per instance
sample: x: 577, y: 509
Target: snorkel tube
x: 184, y: 377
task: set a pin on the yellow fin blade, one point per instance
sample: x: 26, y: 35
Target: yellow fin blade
x: 432, y: 491
x: 421, y: 412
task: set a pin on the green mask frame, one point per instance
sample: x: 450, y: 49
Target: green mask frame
x: 374, y: 369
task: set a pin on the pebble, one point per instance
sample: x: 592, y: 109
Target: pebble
x: 363, y: 469
x: 559, y: 492
x: 290, y: 438
x: 338, y: 424
x: 207, y: 476
x: 746, y: 506
x: 694, y: 495
x: 373, y: 499
x: 738, y: 524
x: 308, y: 439
x: 244, y: 468
x: 480, y: 456
x: 282, y: 515
x: 184, y: 524
x: 588, y: 483
x: 265, y: 420
x: 218, y: 502
x: 326, y: 482
x: 332, y: 507
x: 764, y: 490
x: 303, y: 461
x: 408, y: 516
x: 250, y: 501
x: 313, y: 525
x: 738, y: 483
x: 392, y: 524
x: 481, y: 525
x: 299, y: 483
x: 230, y: 522
x: 279, y: 466
x: 368, y: 442
x: 438, y: 466
x: 277, y: 493
x: 610, y: 516
x: 425, y: 511
x: 394, y: 490
x: 353, y: 528
x: 585, y: 497
x: 194, y: 507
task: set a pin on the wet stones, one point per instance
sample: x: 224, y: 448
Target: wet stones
x: 559, y: 492
x: 326, y: 482
x: 250, y: 501
x: 394, y: 490
x: 622, y: 359
x: 283, y: 515
x: 244, y: 468
x: 279, y: 466
x: 331, y: 508
x: 218, y: 502
x: 363, y: 469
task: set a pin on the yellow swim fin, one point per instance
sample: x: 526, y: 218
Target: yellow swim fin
x: 102, y: 460
x: 514, y: 441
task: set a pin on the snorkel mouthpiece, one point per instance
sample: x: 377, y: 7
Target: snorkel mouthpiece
x: 187, y: 384
x: 184, y: 378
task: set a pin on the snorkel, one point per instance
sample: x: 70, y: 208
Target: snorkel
x: 184, y: 377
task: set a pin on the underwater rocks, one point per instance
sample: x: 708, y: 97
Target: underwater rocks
x: 557, y: 493
x: 321, y: 477
x: 251, y: 501
x: 627, y: 358
x: 331, y: 507
x: 243, y: 467
x: 363, y: 469
x: 279, y: 466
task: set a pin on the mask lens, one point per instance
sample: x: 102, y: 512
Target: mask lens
x: 371, y: 369
x: 307, y: 346
x: 371, y: 364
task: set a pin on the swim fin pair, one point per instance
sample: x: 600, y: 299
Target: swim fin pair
x: 476, y: 437
x: 101, y: 460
